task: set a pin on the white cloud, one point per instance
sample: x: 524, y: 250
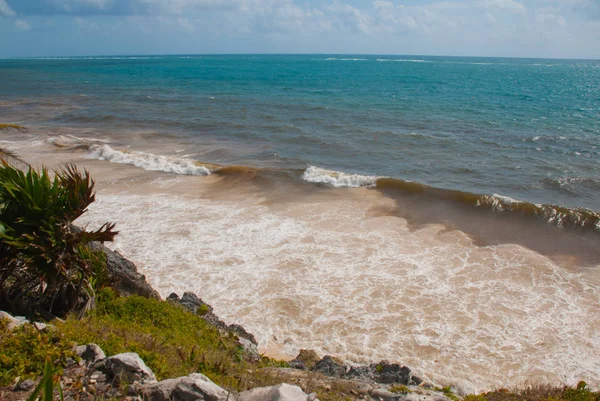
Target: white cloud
x: 185, y: 24
x: 5, y: 9
x: 510, y: 5
x: 22, y: 25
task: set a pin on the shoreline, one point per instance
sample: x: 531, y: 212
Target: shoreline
x: 115, y: 204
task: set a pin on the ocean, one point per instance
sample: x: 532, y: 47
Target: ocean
x: 442, y: 212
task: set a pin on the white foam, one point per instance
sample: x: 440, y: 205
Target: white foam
x: 148, y: 161
x: 325, y: 277
x: 337, y: 178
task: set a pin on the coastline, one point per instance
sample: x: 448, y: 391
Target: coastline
x: 231, y: 206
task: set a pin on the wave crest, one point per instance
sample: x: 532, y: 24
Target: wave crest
x: 148, y: 161
x: 337, y: 178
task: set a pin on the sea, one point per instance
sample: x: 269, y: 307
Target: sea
x: 439, y: 212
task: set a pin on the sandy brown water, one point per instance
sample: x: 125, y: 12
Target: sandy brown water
x: 478, y: 301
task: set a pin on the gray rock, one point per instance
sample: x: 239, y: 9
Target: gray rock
x: 90, y: 352
x: 306, y: 360
x: 98, y: 376
x: 330, y: 367
x: 130, y: 367
x: 387, y: 373
x: 196, y: 387
x: 13, y: 322
x: 250, y: 349
x: 25, y: 385
x: 123, y: 274
x: 193, y: 303
x: 280, y: 392
x: 384, y: 395
x: 160, y: 391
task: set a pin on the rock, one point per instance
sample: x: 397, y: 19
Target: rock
x: 385, y: 372
x: 384, y: 395
x: 90, y: 352
x: 160, y: 391
x: 280, y: 392
x: 13, y: 322
x: 130, y: 367
x: 250, y: 349
x: 306, y: 360
x: 360, y: 372
x: 415, y: 380
x: 196, y: 387
x: 123, y: 274
x: 43, y: 327
x: 25, y: 385
x: 330, y: 366
x: 98, y: 376
x: 194, y: 304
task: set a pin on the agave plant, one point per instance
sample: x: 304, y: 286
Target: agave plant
x: 43, y: 264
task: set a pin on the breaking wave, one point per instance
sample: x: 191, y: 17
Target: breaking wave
x: 148, y: 161
x: 337, y: 178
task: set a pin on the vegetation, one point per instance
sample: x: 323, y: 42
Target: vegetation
x: 46, y: 268
x: 540, y: 393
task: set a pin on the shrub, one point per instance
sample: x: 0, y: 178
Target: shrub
x: 45, y: 267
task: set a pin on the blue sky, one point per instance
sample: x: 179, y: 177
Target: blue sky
x: 518, y: 28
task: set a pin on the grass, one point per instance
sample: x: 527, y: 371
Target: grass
x: 539, y: 393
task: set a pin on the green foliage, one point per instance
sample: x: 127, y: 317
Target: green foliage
x: 46, y: 268
x: 172, y: 341
x: 400, y: 389
x: 24, y: 350
x: 539, y: 393
x: 47, y: 384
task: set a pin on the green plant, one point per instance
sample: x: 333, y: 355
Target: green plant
x: 400, y: 389
x: 47, y: 384
x: 45, y: 267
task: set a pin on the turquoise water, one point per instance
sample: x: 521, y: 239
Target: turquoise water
x: 527, y: 129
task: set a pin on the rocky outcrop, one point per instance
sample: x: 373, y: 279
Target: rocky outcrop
x: 197, y: 306
x: 123, y: 274
x: 12, y: 322
x: 306, y: 360
x: 127, y: 366
x: 91, y: 353
x: 330, y: 366
x: 280, y: 392
x: 188, y: 388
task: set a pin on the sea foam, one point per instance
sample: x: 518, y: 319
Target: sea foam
x: 148, y: 161
x: 338, y: 178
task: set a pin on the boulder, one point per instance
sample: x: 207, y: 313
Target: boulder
x: 387, y: 373
x: 130, y: 367
x: 194, y: 387
x: 13, y: 322
x: 305, y: 360
x: 160, y: 391
x: 250, y: 349
x: 123, y: 274
x: 280, y: 392
x: 92, y: 353
x: 25, y: 385
x: 330, y: 366
x: 384, y: 395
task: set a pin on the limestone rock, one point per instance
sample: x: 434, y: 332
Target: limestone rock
x: 250, y: 349
x: 160, y: 391
x: 90, y: 352
x: 280, y: 392
x: 13, y: 322
x: 193, y: 303
x: 124, y: 275
x: 385, y: 372
x: 330, y: 366
x: 194, y: 387
x: 305, y: 360
x: 25, y: 385
x: 129, y: 366
x: 384, y: 395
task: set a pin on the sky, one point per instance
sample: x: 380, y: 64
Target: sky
x: 503, y: 28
